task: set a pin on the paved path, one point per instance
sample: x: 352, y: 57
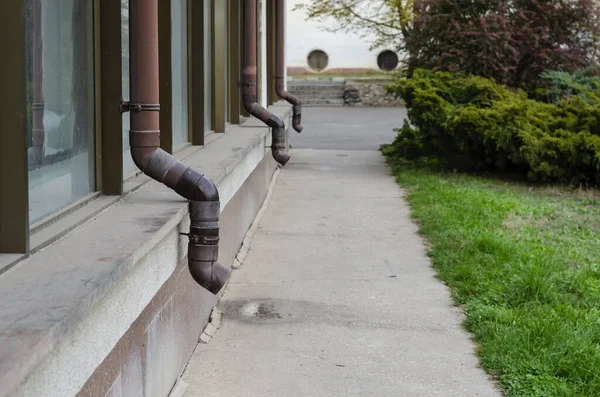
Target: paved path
x: 337, y: 297
x: 347, y: 128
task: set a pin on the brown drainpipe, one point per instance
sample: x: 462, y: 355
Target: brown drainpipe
x: 249, y: 97
x: 144, y: 138
x: 280, y: 68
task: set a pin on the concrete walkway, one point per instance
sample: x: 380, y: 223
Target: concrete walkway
x: 337, y: 297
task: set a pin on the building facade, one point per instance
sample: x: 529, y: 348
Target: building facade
x: 97, y: 299
x: 312, y: 49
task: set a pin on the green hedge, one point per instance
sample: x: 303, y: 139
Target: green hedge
x: 472, y: 123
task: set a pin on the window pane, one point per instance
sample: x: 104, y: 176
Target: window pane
x: 60, y: 66
x: 208, y: 66
x: 129, y: 167
x: 179, y: 68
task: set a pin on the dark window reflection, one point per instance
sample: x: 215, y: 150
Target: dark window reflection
x: 179, y: 70
x: 129, y: 167
x: 60, y: 66
x: 208, y: 61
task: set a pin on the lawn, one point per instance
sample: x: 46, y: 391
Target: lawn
x: 524, y: 264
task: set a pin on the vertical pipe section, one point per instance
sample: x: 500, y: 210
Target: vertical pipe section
x: 249, y: 95
x: 280, y: 67
x: 144, y: 137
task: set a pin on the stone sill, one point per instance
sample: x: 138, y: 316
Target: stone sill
x: 47, y: 295
x: 63, y: 221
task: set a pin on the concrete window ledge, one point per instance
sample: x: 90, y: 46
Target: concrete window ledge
x: 63, y: 309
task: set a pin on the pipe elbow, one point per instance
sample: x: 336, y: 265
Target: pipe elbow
x: 296, y: 107
x: 210, y: 275
x: 248, y: 106
x: 187, y: 182
x: 297, y: 117
x: 281, y: 93
x: 196, y: 187
x: 297, y: 125
x: 280, y: 156
x: 276, y: 123
x: 265, y: 116
x: 278, y: 146
x: 203, y: 247
x: 144, y: 145
x: 141, y: 157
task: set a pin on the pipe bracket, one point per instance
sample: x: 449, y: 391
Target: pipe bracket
x: 139, y: 107
x: 202, y: 240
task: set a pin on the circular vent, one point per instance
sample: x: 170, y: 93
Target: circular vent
x: 318, y: 60
x: 387, y: 60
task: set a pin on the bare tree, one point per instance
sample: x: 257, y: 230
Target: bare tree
x: 383, y: 22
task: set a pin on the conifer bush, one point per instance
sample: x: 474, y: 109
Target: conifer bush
x: 472, y: 123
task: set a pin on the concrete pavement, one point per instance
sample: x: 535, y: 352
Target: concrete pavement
x: 336, y: 296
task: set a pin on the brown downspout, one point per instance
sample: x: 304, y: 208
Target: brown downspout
x: 280, y: 67
x: 249, y: 96
x: 144, y: 137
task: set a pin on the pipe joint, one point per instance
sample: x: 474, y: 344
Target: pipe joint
x: 204, y: 210
x: 196, y: 187
x: 276, y: 122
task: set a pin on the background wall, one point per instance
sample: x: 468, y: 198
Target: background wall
x: 345, y: 51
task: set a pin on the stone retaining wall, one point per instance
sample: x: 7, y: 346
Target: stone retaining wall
x: 369, y: 92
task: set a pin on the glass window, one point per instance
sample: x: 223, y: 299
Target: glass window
x: 179, y: 72
x: 60, y: 67
x: 129, y: 167
x: 208, y: 65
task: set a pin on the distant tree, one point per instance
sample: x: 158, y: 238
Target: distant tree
x: 511, y: 41
x: 385, y: 22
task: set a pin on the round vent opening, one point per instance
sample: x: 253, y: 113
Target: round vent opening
x: 387, y: 60
x: 318, y: 60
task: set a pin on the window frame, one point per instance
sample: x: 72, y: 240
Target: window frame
x: 15, y: 228
x: 14, y: 201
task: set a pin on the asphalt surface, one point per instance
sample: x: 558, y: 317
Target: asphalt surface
x: 337, y: 296
x: 347, y: 128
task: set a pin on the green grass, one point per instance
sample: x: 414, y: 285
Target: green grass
x: 524, y: 263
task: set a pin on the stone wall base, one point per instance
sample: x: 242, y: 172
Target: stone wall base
x: 369, y: 92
